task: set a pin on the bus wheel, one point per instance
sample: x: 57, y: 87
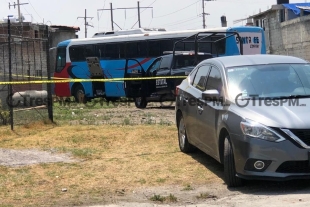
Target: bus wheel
x: 140, y: 102
x: 79, y: 94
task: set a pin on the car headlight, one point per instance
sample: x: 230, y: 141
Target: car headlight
x: 256, y: 130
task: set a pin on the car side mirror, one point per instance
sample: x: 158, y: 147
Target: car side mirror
x: 211, y: 95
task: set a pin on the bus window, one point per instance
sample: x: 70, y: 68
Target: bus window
x: 189, y: 46
x: 219, y: 46
x: 111, y: 51
x: 122, y: 50
x: 89, y: 51
x: 179, y: 46
x: 165, y: 45
x: 142, y: 49
x: 131, y: 50
x: 61, y: 58
x: 77, y: 53
x: 154, y: 48
x: 99, y: 51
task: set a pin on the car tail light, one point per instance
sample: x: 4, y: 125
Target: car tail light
x: 177, y: 90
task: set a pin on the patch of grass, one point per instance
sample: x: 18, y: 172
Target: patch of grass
x: 159, y: 198
x: 161, y: 180
x: 188, y: 187
x: 126, y: 121
x: 205, y: 195
x: 142, y: 181
x: 171, y: 198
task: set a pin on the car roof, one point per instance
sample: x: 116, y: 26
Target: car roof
x: 260, y: 59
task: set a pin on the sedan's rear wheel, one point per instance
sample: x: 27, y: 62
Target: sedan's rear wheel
x: 229, y: 166
x: 184, y: 145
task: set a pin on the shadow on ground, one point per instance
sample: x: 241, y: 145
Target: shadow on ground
x: 254, y: 187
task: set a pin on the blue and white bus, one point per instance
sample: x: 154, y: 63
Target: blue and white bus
x: 104, y: 56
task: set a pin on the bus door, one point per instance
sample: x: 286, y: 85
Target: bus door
x: 140, y: 87
x: 96, y: 72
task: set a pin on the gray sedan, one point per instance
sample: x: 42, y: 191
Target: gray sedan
x: 249, y: 112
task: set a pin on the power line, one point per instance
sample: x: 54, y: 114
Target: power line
x: 143, y: 9
x: 177, y: 10
x: 35, y: 10
x: 181, y: 21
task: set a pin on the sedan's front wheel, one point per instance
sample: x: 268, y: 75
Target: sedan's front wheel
x: 184, y: 145
x: 229, y: 166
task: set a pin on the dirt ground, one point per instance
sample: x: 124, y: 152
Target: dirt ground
x: 254, y: 193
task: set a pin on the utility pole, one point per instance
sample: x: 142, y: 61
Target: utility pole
x: 139, y: 14
x: 204, y: 14
x: 86, y: 23
x: 20, y: 18
x: 111, y: 9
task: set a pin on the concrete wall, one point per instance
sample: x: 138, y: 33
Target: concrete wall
x: 291, y: 37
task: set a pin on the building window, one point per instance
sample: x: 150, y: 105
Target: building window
x: 282, y: 15
x: 264, y: 24
x: 36, y: 34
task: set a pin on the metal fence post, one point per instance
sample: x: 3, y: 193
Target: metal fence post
x: 10, y: 91
x: 49, y: 85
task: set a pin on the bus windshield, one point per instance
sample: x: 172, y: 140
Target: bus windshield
x: 61, y: 58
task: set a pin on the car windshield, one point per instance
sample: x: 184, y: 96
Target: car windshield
x: 269, y: 81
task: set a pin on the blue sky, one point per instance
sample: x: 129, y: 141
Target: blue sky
x: 169, y: 14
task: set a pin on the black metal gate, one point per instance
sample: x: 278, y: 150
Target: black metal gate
x: 24, y: 62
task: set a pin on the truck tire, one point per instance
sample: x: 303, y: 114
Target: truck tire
x: 140, y: 102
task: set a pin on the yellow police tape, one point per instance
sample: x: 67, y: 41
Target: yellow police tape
x: 87, y: 80
x: 31, y: 76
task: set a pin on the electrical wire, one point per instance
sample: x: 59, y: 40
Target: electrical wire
x: 143, y: 10
x: 35, y: 9
x: 178, y: 10
x: 181, y: 21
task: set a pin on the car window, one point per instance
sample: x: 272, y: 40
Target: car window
x: 214, y: 80
x: 155, y: 65
x: 201, y: 77
x: 192, y: 76
x: 165, y: 63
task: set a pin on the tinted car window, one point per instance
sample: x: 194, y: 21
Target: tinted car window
x: 192, y: 76
x: 201, y: 77
x: 155, y: 65
x: 214, y: 80
x: 165, y: 63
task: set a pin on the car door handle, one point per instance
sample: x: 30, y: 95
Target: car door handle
x: 200, y: 108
